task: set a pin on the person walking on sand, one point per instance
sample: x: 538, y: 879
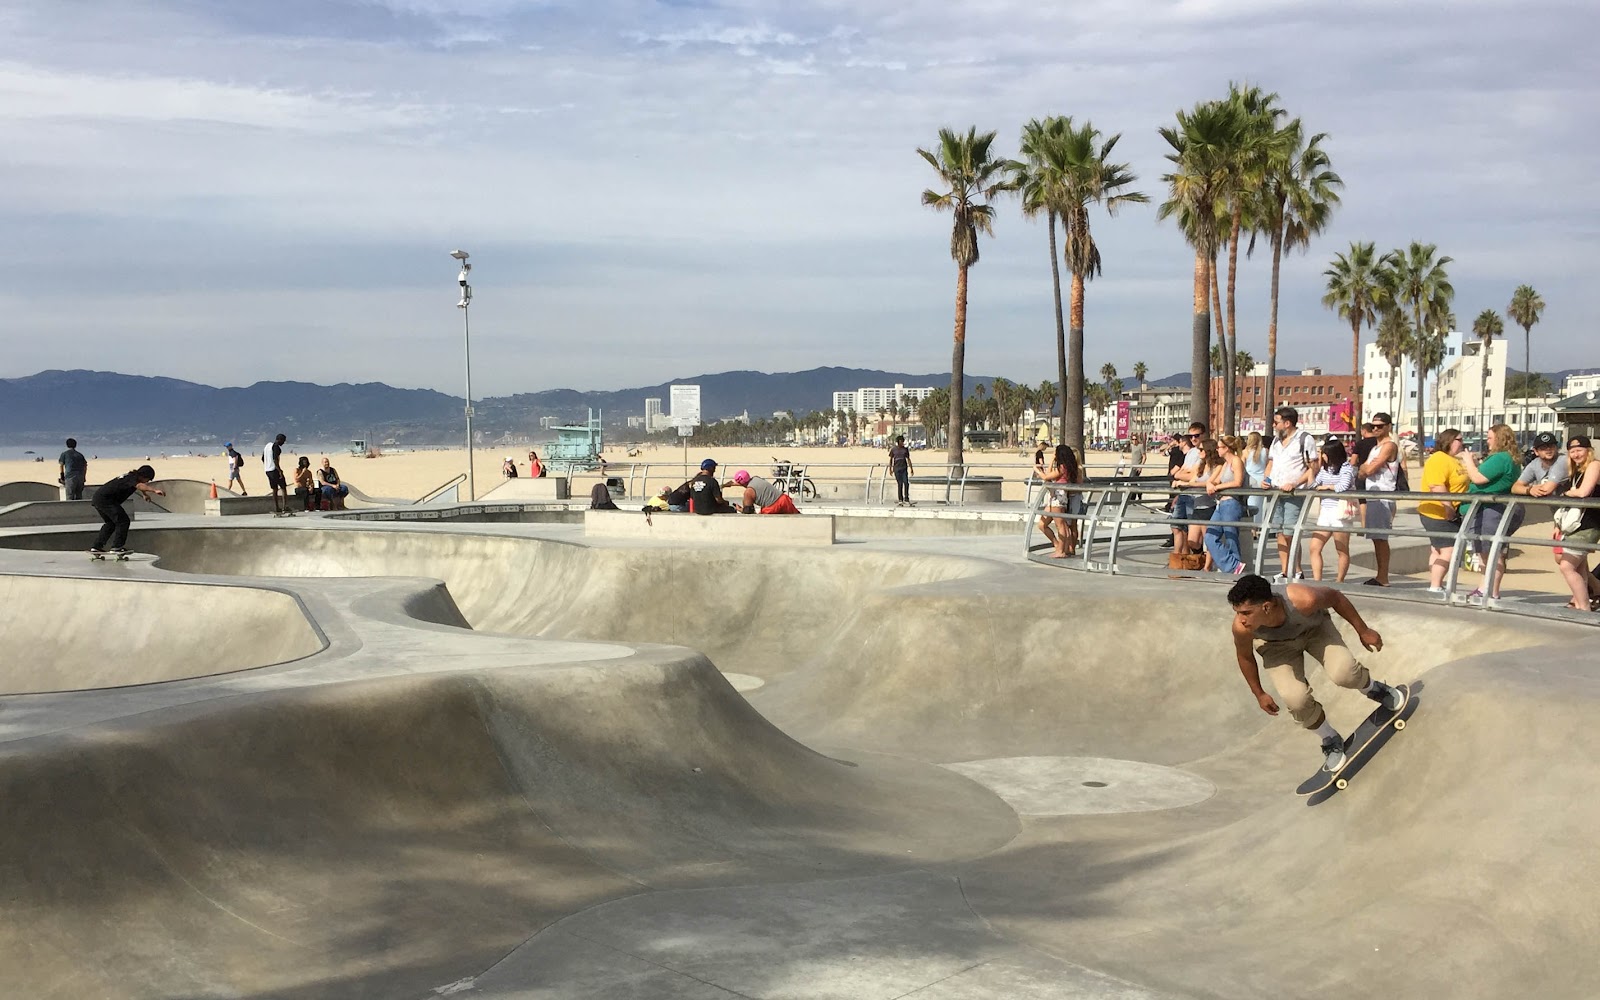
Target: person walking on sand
x: 108, y: 501
x: 235, y: 470
x: 900, y: 463
x: 74, y: 470
x: 1283, y: 622
x: 272, y: 458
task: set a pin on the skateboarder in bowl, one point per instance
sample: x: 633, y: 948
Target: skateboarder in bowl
x: 108, y: 501
x: 1283, y: 622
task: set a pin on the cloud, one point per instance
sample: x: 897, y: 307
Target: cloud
x: 697, y: 186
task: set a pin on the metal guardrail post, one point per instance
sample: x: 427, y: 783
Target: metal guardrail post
x: 1453, y: 568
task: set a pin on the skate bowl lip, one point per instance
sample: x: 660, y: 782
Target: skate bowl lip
x: 281, y: 604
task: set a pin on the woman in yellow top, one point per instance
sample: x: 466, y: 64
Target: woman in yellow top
x: 1442, y: 474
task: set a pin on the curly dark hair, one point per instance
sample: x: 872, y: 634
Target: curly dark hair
x: 1250, y: 589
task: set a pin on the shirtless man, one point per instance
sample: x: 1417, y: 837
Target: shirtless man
x: 1283, y: 622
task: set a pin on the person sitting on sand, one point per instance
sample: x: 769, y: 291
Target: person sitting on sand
x: 1283, y: 622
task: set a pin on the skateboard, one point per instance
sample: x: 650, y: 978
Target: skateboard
x: 119, y: 555
x: 1370, y: 729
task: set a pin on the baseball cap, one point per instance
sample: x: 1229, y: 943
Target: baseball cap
x: 1581, y: 440
x: 1544, y: 439
x: 742, y: 477
x: 1381, y: 418
x: 708, y: 465
x: 228, y: 445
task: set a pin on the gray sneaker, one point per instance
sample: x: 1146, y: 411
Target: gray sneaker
x: 1333, y: 756
x: 1387, y: 696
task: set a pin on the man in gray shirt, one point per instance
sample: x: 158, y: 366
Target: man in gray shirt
x: 1541, y: 477
x: 74, y: 470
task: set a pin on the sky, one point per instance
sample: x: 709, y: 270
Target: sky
x: 229, y: 191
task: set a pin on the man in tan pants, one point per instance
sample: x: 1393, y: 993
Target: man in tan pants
x: 1283, y: 623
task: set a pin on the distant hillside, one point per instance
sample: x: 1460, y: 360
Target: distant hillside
x: 111, y: 408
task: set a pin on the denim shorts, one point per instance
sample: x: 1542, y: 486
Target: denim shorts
x: 1286, y: 514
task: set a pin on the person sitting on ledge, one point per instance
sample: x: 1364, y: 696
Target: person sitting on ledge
x: 333, y: 490
x: 705, y: 493
x: 761, y: 495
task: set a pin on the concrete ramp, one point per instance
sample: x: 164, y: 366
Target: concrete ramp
x: 26, y: 492
x: 89, y: 633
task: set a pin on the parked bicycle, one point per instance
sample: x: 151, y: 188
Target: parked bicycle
x: 792, y: 479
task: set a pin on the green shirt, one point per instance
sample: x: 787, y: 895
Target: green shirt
x: 1499, y: 470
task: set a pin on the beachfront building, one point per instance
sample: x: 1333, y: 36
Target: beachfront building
x: 868, y: 401
x: 1313, y: 393
x: 653, y: 418
x: 1468, y: 392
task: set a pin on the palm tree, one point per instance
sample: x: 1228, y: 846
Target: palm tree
x: 1099, y: 400
x: 1297, y: 200
x: 1195, y: 191
x: 973, y: 177
x: 1394, y: 342
x: 1108, y: 375
x: 1045, y: 396
x: 1003, y: 392
x: 1525, y: 309
x: 1486, y: 327
x: 934, y: 413
x: 1427, y: 353
x: 1420, y: 281
x: 1140, y: 370
x: 1082, y: 174
x: 1038, y: 180
x: 1357, y: 289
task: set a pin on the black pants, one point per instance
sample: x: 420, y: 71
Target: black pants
x: 115, y: 529
x: 74, y: 487
x: 902, y: 484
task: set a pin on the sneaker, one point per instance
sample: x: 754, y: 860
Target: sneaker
x: 1475, y: 595
x: 1333, y: 756
x: 1387, y: 696
x: 1238, y: 570
x: 1279, y: 578
x: 1168, y: 543
x: 1299, y: 576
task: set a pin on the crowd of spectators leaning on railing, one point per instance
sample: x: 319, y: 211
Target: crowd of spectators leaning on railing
x: 1221, y: 484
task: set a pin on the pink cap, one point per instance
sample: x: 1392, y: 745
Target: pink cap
x: 742, y: 478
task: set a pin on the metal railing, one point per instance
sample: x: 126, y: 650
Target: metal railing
x: 873, y: 481
x: 1118, y: 517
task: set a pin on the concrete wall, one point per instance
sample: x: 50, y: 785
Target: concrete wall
x: 729, y: 529
x: 27, y: 515
x: 544, y: 488
x: 26, y: 492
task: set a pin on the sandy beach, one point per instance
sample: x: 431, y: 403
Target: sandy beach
x: 410, y: 475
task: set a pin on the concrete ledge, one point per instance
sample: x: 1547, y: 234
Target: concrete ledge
x: 261, y: 503
x: 23, y: 491
x: 47, y: 512
x: 543, y: 488
x: 731, y: 529
x: 939, y: 489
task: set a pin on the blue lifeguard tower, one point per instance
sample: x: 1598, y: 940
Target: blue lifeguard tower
x: 578, y: 448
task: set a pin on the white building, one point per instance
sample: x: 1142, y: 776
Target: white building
x: 869, y: 400
x: 652, y: 414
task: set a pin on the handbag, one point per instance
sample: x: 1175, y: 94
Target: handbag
x: 1187, y: 561
x: 1349, y: 510
x: 1568, y: 519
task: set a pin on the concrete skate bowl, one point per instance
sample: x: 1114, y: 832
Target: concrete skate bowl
x: 753, y: 610
x: 74, y: 634
x: 389, y: 838
x: 454, y: 816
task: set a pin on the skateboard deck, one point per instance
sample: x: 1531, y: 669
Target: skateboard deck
x: 111, y: 554
x: 1357, y: 745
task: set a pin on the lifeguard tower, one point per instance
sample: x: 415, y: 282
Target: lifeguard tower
x: 577, y: 448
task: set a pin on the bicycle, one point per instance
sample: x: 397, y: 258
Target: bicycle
x: 792, y: 479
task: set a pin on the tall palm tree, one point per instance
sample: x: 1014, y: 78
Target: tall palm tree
x: 1108, y: 375
x: 1195, y: 187
x: 1099, y: 400
x: 1486, y: 327
x: 1038, y: 180
x: 934, y: 412
x: 1525, y: 309
x: 1088, y: 176
x: 1394, y: 343
x: 1297, y: 200
x: 1421, y: 282
x: 1140, y: 370
x: 972, y: 177
x: 1357, y: 289
x: 1248, y: 159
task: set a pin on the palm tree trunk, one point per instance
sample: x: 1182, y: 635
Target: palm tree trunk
x: 1230, y: 411
x: 1220, y: 319
x: 1074, y: 393
x: 1061, y: 335
x: 1422, y: 374
x: 1270, y: 402
x: 1200, y: 341
x: 958, y: 362
x: 1355, y: 369
x: 1527, y: 383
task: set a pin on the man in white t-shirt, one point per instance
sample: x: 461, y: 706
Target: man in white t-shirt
x: 1291, y: 465
x: 272, y: 458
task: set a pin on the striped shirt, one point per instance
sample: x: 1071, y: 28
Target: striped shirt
x: 1342, y: 481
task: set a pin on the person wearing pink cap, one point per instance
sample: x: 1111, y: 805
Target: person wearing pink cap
x: 762, y: 495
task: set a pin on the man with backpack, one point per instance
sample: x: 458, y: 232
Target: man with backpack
x: 1292, y: 462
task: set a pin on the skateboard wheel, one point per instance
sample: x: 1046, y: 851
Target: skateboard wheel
x: 1341, y: 784
x: 1399, y: 723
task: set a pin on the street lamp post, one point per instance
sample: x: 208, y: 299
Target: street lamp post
x: 466, y: 329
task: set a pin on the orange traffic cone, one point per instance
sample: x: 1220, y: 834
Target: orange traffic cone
x: 213, y: 489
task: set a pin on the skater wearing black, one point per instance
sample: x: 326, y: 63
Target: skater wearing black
x: 108, y: 501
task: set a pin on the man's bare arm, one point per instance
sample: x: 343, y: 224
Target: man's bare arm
x: 1326, y: 598
x: 1244, y: 651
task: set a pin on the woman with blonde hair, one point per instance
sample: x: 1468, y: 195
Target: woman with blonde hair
x: 1584, y: 484
x: 1222, y: 540
x: 1493, y: 475
x: 1442, y: 473
x: 1254, y: 456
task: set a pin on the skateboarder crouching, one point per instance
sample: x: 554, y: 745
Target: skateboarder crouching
x: 1283, y: 623
x: 108, y: 501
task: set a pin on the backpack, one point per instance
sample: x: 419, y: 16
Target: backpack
x: 600, y: 498
x: 1402, y: 482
